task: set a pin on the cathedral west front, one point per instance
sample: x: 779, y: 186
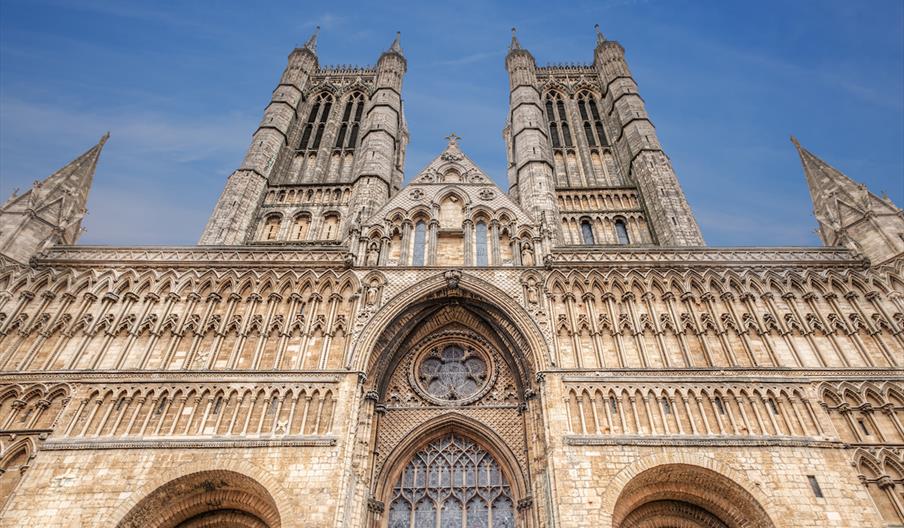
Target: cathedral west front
x: 343, y: 350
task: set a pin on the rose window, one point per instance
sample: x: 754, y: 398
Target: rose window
x: 452, y: 373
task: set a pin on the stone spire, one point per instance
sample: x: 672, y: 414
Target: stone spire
x: 311, y: 44
x: 849, y: 214
x: 396, y: 46
x: 600, y: 38
x: 515, y: 45
x: 51, y: 212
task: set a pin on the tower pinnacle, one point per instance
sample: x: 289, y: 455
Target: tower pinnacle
x: 311, y: 44
x: 849, y: 214
x: 515, y: 45
x: 51, y: 212
x: 600, y: 38
x: 396, y: 46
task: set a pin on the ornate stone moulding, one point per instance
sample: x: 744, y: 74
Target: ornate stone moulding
x: 201, y: 443
x: 748, y: 257
x: 299, y: 254
x: 174, y: 376
x: 777, y: 375
x: 675, y: 440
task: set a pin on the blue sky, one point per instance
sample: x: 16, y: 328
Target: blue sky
x: 182, y: 85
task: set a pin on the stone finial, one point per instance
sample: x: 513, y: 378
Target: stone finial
x: 515, y: 45
x: 311, y: 44
x: 600, y: 38
x: 453, y: 140
x: 396, y: 46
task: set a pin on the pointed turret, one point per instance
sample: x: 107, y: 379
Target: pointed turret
x: 514, y: 45
x: 51, y: 212
x: 311, y: 44
x: 600, y: 38
x: 396, y: 46
x: 849, y: 214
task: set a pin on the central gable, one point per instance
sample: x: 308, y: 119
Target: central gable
x: 451, y: 213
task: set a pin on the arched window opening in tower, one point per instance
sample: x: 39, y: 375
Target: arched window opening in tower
x: 621, y: 232
x: 420, y: 242
x: 557, y: 119
x: 481, y: 240
x: 587, y: 232
x: 590, y: 117
x: 316, y: 122
x: 271, y: 227
x: 351, y: 120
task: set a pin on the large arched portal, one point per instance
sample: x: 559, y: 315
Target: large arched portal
x: 455, y: 423
x: 218, y: 498
x: 687, y: 496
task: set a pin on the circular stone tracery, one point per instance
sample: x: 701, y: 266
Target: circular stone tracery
x: 452, y: 371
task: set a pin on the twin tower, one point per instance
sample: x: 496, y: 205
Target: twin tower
x: 584, y: 161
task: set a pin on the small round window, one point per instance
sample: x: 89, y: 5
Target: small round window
x: 452, y: 373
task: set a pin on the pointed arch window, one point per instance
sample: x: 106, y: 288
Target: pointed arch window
x: 557, y: 119
x: 621, y: 232
x: 480, y: 238
x: 451, y: 480
x: 420, y: 243
x: 587, y: 232
x: 316, y: 122
x: 347, y: 138
x: 590, y: 120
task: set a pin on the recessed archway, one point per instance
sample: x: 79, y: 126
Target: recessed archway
x: 686, y: 496
x: 221, y: 498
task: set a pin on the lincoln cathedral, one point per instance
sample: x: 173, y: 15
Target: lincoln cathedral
x: 342, y: 349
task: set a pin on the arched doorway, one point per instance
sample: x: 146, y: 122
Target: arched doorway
x: 451, y: 375
x: 222, y: 499
x: 688, y: 496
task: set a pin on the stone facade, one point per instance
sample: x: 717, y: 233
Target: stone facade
x: 340, y: 351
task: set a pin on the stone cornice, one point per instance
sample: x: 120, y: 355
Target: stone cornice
x: 698, y: 441
x: 176, y: 376
x: 314, y: 255
x: 56, y: 444
x: 727, y: 375
x: 765, y: 257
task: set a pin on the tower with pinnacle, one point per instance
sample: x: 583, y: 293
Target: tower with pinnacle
x: 583, y: 152
x: 332, y: 140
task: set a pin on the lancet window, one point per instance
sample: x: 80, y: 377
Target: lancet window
x: 347, y: 138
x: 316, y: 123
x: 621, y: 232
x: 420, y: 243
x: 559, y: 132
x: 590, y: 120
x: 587, y: 232
x: 480, y: 234
x: 452, y: 482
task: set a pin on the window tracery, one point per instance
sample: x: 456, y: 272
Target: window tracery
x: 316, y: 122
x: 351, y: 120
x: 451, y: 479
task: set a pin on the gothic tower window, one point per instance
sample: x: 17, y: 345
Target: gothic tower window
x: 559, y: 132
x: 621, y: 232
x: 330, y: 228
x: 271, y: 227
x: 587, y: 232
x: 300, y: 227
x: 591, y: 122
x: 420, y: 242
x: 314, y: 126
x: 480, y: 235
x: 347, y: 138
